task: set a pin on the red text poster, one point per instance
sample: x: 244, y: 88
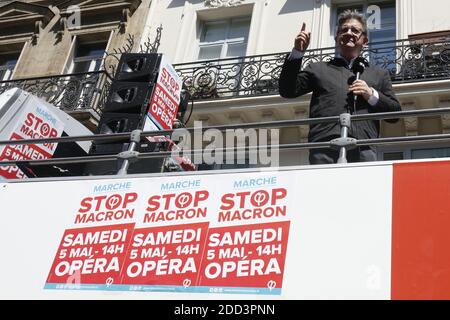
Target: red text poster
x: 176, y: 207
x: 257, y: 205
x: 169, y: 255
x: 245, y: 256
x: 165, y: 101
x: 106, y: 208
x: 182, y: 236
x: 91, y: 256
x: 37, y: 122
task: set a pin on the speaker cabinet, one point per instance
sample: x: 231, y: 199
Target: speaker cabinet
x: 115, y: 123
x: 120, y: 122
x: 129, y: 97
x: 125, y: 110
x: 112, y: 167
x: 138, y: 67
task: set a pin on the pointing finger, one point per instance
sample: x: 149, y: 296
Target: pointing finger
x: 303, y: 27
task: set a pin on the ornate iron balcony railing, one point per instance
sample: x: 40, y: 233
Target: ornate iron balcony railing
x: 69, y: 92
x: 82, y: 91
x: 258, y: 75
x: 407, y: 61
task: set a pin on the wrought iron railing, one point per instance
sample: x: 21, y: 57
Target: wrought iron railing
x: 82, y: 91
x: 238, y: 77
x: 258, y: 75
x: 69, y: 92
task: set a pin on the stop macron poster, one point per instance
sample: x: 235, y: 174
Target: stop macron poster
x: 163, y: 106
x: 203, y: 240
x: 36, y: 122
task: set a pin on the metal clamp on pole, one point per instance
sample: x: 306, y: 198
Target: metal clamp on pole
x: 344, y: 143
x: 130, y: 155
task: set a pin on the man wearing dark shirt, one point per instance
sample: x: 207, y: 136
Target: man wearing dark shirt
x: 333, y: 87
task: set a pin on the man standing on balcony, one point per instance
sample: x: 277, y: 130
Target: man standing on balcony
x: 333, y: 87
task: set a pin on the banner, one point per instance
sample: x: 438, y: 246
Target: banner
x: 36, y: 122
x: 185, y: 236
x: 163, y: 106
x: 356, y: 231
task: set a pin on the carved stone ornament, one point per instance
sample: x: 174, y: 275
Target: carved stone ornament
x: 37, y: 32
x: 222, y: 3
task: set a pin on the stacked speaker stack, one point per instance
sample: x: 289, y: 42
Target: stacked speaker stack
x: 125, y: 110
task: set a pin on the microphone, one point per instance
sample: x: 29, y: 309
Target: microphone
x: 358, y: 67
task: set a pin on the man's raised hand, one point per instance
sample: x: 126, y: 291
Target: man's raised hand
x: 302, y: 39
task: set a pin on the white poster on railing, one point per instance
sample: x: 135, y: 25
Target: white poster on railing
x: 36, y: 121
x: 165, y: 100
x: 280, y: 234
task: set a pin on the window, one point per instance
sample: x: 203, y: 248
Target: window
x: 421, y: 152
x: 430, y: 153
x: 224, y: 39
x: 389, y: 156
x: 88, y: 57
x: 86, y: 53
x: 7, y: 65
x: 382, y: 32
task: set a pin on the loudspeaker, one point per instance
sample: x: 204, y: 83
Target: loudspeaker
x: 118, y: 147
x: 119, y: 122
x: 99, y: 148
x: 125, y: 110
x: 112, y: 167
x: 138, y: 67
x: 129, y: 97
x: 115, y: 123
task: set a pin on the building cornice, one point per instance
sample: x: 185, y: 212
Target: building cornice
x: 91, y: 6
x: 222, y: 3
x: 25, y: 11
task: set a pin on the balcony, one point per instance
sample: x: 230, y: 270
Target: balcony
x: 406, y: 60
x: 69, y: 92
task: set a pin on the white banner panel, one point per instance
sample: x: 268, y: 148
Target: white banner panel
x: 35, y: 121
x: 293, y: 234
x: 165, y: 100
